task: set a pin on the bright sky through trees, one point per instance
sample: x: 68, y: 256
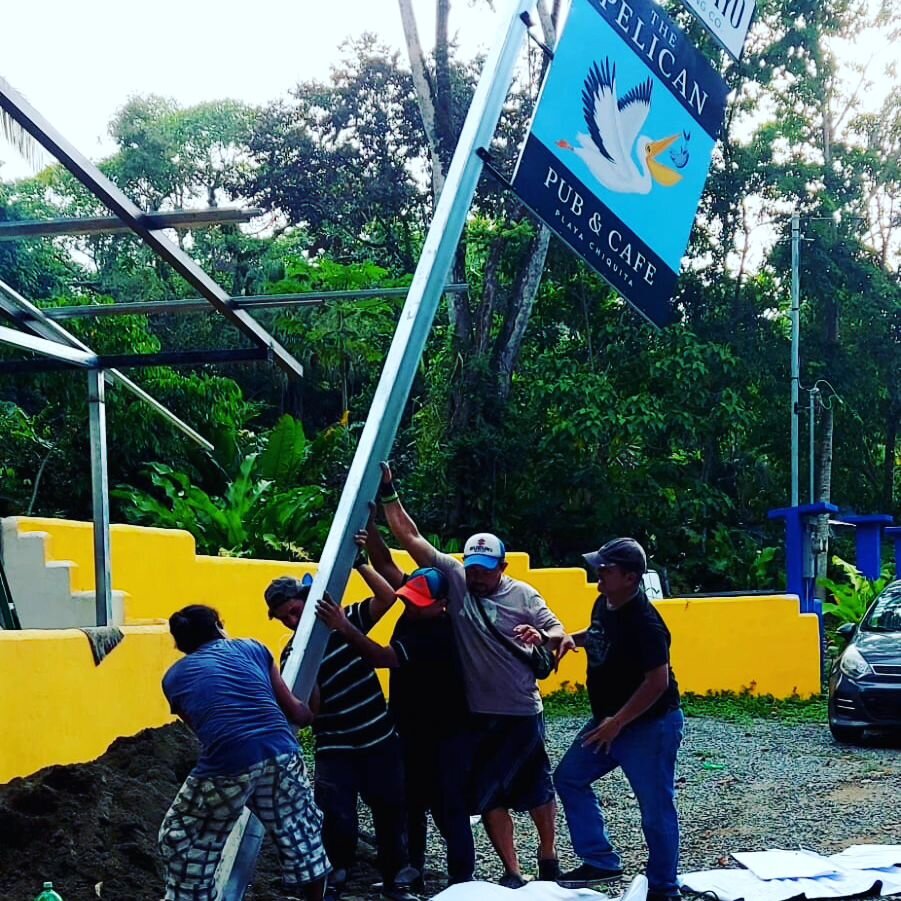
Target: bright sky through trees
x: 79, y: 62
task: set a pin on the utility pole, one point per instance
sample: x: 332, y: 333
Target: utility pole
x: 795, y: 355
x: 813, y: 396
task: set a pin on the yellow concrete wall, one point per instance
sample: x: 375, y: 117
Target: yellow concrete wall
x: 57, y: 707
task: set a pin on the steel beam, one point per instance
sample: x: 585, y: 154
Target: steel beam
x: 17, y: 229
x: 103, y: 594
x: 393, y: 389
x: 52, y: 349
x: 36, y: 321
x: 102, y: 188
x: 131, y: 361
x: 255, y: 301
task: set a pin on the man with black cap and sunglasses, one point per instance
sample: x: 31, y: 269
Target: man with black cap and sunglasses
x: 357, y: 748
x: 636, y: 725
x: 428, y: 702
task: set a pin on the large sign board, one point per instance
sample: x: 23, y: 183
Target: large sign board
x: 727, y: 20
x: 620, y: 145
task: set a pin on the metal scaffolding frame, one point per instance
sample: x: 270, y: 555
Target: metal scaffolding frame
x: 16, y: 229
x: 44, y: 336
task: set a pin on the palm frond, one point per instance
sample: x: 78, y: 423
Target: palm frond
x: 22, y: 142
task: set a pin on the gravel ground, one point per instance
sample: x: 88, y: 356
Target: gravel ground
x: 741, y: 787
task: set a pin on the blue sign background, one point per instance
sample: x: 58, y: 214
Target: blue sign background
x: 657, y: 223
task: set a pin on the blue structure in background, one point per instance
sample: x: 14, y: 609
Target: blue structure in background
x: 799, y: 553
x: 799, y: 557
x: 867, y: 540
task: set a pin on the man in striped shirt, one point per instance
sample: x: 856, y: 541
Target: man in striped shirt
x: 357, y: 749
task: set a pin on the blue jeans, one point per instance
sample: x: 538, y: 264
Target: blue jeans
x: 646, y: 751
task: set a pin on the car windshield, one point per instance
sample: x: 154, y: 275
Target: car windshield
x: 885, y: 614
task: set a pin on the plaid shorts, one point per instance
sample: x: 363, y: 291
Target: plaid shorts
x: 197, y: 825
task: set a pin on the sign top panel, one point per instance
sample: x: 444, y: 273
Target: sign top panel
x: 727, y: 20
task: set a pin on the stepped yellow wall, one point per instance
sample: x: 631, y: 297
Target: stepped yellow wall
x: 57, y: 707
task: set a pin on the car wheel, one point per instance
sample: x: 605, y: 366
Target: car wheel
x: 846, y: 734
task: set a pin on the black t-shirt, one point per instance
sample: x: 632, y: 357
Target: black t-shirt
x: 622, y: 645
x: 427, y: 692
x: 352, y: 711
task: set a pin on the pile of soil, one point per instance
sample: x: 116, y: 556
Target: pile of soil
x: 92, y: 828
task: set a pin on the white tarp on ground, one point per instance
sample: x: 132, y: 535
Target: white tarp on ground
x: 778, y: 864
x: 532, y: 891
x: 537, y: 891
x: 839, y: 880
x: 868, y: 857
x: 731, y: 885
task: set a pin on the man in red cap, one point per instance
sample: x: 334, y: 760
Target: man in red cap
x: 428, y: 702
x: 497, y: 621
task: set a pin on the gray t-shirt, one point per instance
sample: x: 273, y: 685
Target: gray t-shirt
x: 497, y: 682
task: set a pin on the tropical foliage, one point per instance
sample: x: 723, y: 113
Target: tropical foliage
x: 544, y: 408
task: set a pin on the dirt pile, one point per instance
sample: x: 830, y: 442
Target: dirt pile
x: 91, y: 828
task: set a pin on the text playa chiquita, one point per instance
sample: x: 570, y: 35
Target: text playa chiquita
x: 656, y: 40
x: 612, y: 239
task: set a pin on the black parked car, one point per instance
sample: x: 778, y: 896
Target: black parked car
x: 865, y: 683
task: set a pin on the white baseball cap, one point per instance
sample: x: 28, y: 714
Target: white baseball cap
x: 484, y: 549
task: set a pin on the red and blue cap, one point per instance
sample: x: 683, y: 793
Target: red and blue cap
x: 424, y: 587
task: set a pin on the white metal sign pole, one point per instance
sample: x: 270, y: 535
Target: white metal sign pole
x: 393, y: 389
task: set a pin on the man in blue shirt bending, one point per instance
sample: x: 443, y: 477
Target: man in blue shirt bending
x: 230, y: 693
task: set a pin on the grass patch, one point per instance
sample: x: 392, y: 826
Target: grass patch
x: 729, y: 706
x: 569, y: 700
x: 745, y: 707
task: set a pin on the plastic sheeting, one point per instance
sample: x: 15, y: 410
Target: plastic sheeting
x: 537, y: 891
x: 834, y: 879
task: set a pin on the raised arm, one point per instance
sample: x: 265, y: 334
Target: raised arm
x: 380, y: 556
x: 402, y: 526
x: 383, y: 595
x: 334, y: 617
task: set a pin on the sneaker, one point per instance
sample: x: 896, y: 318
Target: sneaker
x: 511, y: 880
x: 549, y: 870
x: 665, y: 896
x: 585, y: 875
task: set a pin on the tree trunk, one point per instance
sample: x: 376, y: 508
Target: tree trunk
x: 424, y: 94
x: 514, y: 331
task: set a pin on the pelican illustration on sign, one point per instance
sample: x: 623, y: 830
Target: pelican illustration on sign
x: 610, y: 148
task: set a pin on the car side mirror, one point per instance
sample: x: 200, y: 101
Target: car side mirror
x: 846, y: 630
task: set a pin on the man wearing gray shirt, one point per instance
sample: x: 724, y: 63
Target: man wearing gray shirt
x: 497, y: 620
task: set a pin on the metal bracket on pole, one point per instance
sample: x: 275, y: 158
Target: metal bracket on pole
x: 103, y: 189
x: 396, y: 380
x: 100, y: 493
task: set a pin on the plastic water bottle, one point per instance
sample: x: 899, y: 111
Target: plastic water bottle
x: 48, y: 894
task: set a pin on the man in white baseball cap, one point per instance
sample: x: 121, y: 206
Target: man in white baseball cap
x: 497, y: 623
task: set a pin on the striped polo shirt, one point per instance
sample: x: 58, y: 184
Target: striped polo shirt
x: 352, y: 711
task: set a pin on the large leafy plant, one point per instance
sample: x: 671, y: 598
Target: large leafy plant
x: 852, y: 594
x: 265, y: 510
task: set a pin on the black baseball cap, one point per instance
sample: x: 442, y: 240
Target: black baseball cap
x: 626, y: 553
x: 286, y: 588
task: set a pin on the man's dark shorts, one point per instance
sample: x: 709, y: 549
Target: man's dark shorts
x: 509, y: 765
